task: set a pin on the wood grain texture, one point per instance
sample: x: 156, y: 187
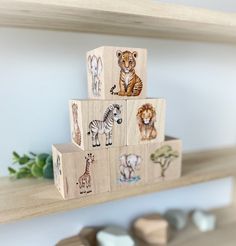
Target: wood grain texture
x: 167, y: 168
x: 80, y: 173
x: 125, y: 17
x: 138, y: 114
x: 90, y: 110
x: 233, y: 195
x: 20, y: 199
x: 128, y: 167
x: 103, y: 62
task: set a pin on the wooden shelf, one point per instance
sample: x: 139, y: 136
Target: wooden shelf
x: 21, y: 199
x: 225, y: 233
x: 145, y: 18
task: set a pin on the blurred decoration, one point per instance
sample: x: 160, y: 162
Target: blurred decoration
x: 177, y: 218
x: 31, y: 166
x: 152, y: 229
x: 204, y: 221
x: 114, y: 236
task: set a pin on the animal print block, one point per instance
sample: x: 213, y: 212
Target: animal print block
x: 128, y: 166
x: 79, y: 173
x: 145, y: 121
x: 117, y: 73
x: 164, y: 160
x: 97, y: 124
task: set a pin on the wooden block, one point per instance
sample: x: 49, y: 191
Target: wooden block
x: 73, y: 241
x: 90, y: 234
x: 97, y: 124
x: 117, y: 73
x: 152, y: 229
x: 145, y: 121
x: 164, y: 160
x: 128, y: 166
x: 80, y: 173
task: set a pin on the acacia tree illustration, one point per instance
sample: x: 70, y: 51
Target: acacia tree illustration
x: 164, y: 156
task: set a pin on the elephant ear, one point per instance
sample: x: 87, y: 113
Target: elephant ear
x: 139, y: 159
x: 100, y: 66
x: 123, y: 159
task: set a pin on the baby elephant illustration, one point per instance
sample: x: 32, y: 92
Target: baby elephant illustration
x: 95, y: 68
x: 129, y: 164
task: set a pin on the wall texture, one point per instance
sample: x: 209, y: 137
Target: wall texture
x: 41, y: 70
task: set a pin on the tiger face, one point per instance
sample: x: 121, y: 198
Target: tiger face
x: 126, y: 60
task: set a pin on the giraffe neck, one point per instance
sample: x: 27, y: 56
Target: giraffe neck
x: 75, y: 121
x: 87, y: 167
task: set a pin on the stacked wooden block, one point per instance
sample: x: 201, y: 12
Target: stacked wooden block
x: 119, y: 141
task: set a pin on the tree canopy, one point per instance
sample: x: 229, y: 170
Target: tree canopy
x: 165, y: 152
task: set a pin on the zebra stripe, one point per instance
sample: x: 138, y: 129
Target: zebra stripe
x: 105, y: 126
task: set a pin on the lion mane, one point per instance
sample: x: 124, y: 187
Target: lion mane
x: 147, y: 129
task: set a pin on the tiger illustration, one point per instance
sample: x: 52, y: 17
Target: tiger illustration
x: 130, y: 84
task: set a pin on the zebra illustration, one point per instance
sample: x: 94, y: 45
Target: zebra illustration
x: 112, y: 113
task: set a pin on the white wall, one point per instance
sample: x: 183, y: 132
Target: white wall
x: 218, y: 5
x: 41, y: 70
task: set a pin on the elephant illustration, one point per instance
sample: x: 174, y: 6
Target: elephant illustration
x: 129, y: 164
x: 95, y: 68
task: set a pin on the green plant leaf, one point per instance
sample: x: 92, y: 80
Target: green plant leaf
x: 24, y: 159
x: 36, y: 171
x: 11, y: 170
x: 41, y: 159
x: 24, y: 172
x: 15, y: 157
x: 48, y: 168
x: 49, y: 160
x: 21, y: 174
x: 48, y: 172
x: 25, y: 169
x: 30, y: 163
x: 33, y: 154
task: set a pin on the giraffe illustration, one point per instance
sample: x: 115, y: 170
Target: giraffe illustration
x: 84, y: 181
x: 76, y: 134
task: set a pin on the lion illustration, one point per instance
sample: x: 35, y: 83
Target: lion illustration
x: 146, y: 118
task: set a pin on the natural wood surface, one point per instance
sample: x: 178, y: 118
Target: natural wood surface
x: 21, y: 199
x: 90, y: 110
x: 110, y: 71
x: 82, y: 173
x: 126, y: 17
x: 151, y: 131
